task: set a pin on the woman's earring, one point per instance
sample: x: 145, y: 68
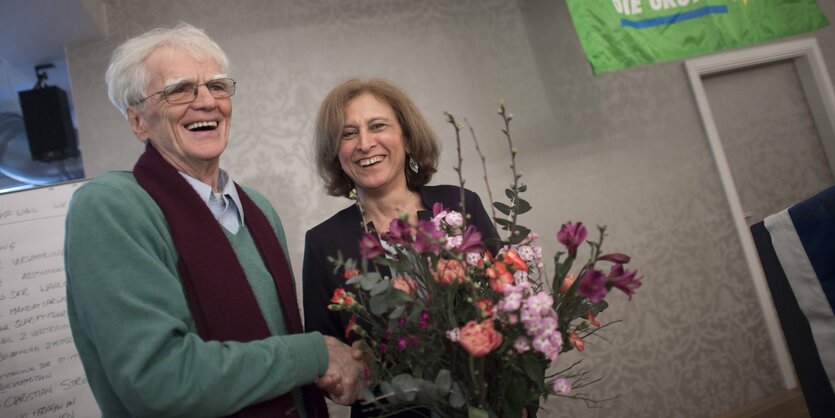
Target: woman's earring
x: 413, y: 165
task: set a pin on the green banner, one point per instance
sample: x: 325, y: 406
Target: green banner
x: 623, y: 33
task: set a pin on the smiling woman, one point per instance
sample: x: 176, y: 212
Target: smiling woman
x: 373, y: 143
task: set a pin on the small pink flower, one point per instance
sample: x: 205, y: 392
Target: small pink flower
x: 521, y: 345
x: 562, y: 386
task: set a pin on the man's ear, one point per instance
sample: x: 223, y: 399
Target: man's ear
x: 137, y: 123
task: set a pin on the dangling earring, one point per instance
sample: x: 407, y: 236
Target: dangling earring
x: 413, y: 165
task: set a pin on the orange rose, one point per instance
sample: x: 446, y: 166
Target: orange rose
x: 486, y: 307
x: 515, y: 260
x: 449, y: 271
x: 480, y: 339
x: 499, y: 276
x: 405, y: 284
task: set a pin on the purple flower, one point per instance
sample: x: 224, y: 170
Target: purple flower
x: 617, y: 258
x: 370, y: 246
x: 428, y: 238
x: 402, y: 343
x: 471, y: 242
x: 572, y: 235
x: 400, y: 232
x: 593, y: 285
x: 624, y: 280
x: 437, y: 208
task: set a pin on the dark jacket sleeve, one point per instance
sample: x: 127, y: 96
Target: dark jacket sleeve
x: 317, y: 289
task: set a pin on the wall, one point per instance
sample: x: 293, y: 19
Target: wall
x: 625, y: 149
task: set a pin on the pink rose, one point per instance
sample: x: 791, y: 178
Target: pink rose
x: 405, y: 284
x: 449, y: 271
x: 480, y: 339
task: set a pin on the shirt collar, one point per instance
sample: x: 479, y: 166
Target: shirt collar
x: 227, y: 187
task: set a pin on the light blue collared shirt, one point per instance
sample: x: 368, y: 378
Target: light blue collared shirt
x: 225, y: 205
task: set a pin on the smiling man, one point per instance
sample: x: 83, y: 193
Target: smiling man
x: 180, y: 295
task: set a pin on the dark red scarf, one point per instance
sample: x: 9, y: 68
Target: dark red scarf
x: 219, y: 296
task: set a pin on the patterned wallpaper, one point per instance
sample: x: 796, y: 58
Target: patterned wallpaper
x: 626, y: 149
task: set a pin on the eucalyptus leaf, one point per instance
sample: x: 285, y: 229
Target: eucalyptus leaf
x: 367, y: 395
x: 456, y: 396
x: 405, y: 387
x: 443, y: 381
x: 474, y: 412
x: 379, y: 304
x: 380, y: 287
x: 397, y: 312
x: 386, y: 389
x: 369, y: 280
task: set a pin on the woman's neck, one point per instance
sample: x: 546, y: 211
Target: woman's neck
x: 382, y: 209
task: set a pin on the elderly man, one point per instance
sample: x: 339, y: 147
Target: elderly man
x: 180, y: 295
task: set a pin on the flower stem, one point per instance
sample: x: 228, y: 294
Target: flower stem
x: 451, y: 120
x: 484, y: 169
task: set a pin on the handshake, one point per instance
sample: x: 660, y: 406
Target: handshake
x: 343, y: 379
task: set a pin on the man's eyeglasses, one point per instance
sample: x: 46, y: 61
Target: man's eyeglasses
x: 186, y: 92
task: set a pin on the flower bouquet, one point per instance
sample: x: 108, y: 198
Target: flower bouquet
x: 462, y: 331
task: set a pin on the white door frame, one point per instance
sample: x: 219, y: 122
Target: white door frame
x: 817, y: 86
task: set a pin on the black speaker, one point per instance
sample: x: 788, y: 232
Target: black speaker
x: 46, y: 117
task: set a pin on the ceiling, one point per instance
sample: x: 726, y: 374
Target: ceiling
x: 35, y: 32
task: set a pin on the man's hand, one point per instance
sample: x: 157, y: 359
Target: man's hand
x: 343, y: 379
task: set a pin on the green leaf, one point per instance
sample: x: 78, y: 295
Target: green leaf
x: 515, y: 397
x: 523, y: 188
x: 510, y: 194
x: 533, y: 368
x: 518, y: 234
x: 522, y: 206
x: 504, y: 222
x: 503, y: 208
